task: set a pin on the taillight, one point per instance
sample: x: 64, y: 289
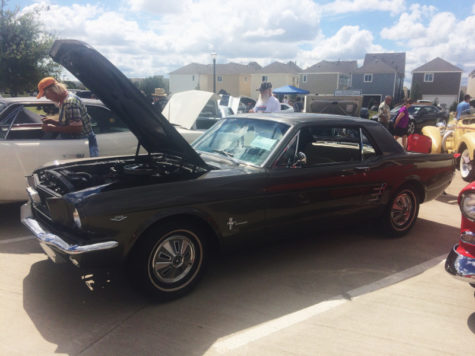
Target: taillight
x: 467, y: 204
x: 467, y: 244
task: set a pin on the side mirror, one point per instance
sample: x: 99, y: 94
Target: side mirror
x: 300, y: 160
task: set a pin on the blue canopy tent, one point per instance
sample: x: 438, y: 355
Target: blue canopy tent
x: 289, y: 90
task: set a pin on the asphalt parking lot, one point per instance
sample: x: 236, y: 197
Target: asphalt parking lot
x: 347, y: 291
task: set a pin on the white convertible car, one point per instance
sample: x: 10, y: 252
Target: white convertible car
x: 24, y: 146
x: 192, y: 112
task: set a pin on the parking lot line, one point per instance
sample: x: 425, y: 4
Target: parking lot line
x: 244, y: 337
x: 16, y: 239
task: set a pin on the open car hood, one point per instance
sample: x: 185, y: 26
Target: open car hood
x: 115, y: 90
x: 329, y: 104
x: 184, y: 108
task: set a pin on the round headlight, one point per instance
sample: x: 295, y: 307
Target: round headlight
x: 76, y: 218
x: 467, y: 205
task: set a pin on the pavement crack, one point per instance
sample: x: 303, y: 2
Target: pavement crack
x: 112, y: 328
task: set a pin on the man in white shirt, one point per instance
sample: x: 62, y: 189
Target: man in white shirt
x: 384, y: 113
x: 266, y: 102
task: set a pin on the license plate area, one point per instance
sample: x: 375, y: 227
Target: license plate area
x: 52, y: 254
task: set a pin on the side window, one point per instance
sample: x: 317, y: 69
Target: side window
x: 27, y: 114
x: 289, y: 154
x: 105, y: 121
x: 367, y: 148
x: 208, y: 116
x: 330, y: 145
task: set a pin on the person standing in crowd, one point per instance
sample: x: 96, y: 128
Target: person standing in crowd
x: 462, y: 106
x: 384, y: 111
x: 402, y: 122
x: 286, y: 100
x: 298, y: 106
x: 159, y: 99
x: 74, y: 121
x: 266, y: 101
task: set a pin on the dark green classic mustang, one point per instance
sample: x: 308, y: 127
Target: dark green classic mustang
x: 162, y: 211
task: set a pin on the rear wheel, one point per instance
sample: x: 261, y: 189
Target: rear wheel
x: 442, y: 122
x: 402, y: 211
x: 466, y: 166
x: 169, y: 260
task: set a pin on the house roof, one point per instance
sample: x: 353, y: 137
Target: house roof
x: 332, y: 67
x: 279, y: 67
x: 437, y: 65
x: 221, y: 69
x: 396, y: 60
x: 375, y: 67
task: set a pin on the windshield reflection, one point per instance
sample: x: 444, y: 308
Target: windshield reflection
x: 245, y: 140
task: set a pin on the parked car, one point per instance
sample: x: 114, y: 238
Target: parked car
x: 364, y: 113
x: 25, y: 146
x: 331, y: 104
x: 456, y: 138
x: 251, y: 176
x: 461, y: 260
x: 238, y: 105
x: 286, y: 107
x: 421, y: 115
x: 192, y: 112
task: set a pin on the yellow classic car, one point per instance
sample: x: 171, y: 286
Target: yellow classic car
x: 458, y: 137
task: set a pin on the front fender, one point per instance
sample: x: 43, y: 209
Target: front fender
x: 181, y: 212
x: 433, y: 133
x: 468, y: 140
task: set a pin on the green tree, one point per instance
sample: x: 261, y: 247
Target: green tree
x: 416, y: 92
x: 24, y: 51
x: 148, y: 85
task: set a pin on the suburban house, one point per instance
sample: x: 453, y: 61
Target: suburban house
x: 278, y: 73
x: 471, y: 84
x: 437, y: 80
x: 326, y: 77
x: 381, y: 74
x: 233, y: 78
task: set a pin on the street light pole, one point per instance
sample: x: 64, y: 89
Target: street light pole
x: 214, y: 71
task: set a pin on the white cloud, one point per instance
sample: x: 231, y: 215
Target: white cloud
x: 409, y: 25
x: 147, y: 37
x: 346, y: 6
x: 159, y: 7
x: 349, y: 43
x: 433, y: 35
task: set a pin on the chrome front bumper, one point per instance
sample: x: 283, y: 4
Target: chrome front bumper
x: 49, y: 241
x: 460, y: 266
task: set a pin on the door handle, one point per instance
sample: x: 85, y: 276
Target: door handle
x: 347, y: 172
x: 363, y: 169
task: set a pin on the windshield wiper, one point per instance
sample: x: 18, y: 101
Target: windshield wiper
x: 228, y: 155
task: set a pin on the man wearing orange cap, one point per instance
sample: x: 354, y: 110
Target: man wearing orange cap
x: 74, y: 121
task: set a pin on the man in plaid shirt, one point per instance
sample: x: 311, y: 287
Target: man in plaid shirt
x: 74, y: 121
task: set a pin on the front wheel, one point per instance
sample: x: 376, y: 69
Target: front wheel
x: 169, y: 260
x: 402, y: 211
x: 411, y: 128
x: 466, y: 166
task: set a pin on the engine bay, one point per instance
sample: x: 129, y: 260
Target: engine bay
x: 116, y: 173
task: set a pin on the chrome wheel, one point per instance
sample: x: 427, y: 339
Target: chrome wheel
x: 466, y: 166
x: 173, y: 258
x: 169, y: 259
x: 411, y: 128
x: 402, y: 211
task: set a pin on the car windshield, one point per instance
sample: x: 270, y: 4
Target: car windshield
x: 412, y: 110
x: 246, y: 140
